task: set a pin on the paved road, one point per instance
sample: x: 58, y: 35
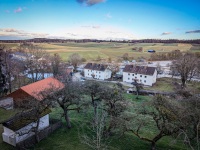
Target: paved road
x: 176, y: 77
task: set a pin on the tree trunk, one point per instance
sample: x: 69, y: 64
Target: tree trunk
x: 153, y: 145
x: 67, y: 118
x: 37, y: 131
x: 183, y: 82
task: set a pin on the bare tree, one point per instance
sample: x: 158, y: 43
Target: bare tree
x: 125, y: 56
x: 138, y: 87
x: 114, y: 104
x: 69, y: 98
x: 186, y: 66
x: 93, y: 89
x: 56, y: 64
x: 92, y: 133
x: 75, y: 59
x: 165, y: 113
x: 36, y: 61
x: 3, y: 81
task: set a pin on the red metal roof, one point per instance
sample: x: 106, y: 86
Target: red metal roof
x: 35, y: 88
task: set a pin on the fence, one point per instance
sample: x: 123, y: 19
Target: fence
x: 31, y: 141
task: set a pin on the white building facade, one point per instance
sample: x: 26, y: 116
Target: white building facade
x: 97, y: 71
x: 12, y: 135
x: 143, y: 74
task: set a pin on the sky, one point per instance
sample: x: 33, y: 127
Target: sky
x: 100, y: 19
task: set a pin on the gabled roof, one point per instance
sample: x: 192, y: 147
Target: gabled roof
x: 94, y: 66
x: 140, y: 69
x: 35, y: 88
x: 22, y: 119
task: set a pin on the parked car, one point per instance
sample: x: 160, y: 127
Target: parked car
x: 117, y: 76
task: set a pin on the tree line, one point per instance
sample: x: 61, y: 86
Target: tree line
x: 45, y: 40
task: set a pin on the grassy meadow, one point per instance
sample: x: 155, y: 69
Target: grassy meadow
x: 91, y: 51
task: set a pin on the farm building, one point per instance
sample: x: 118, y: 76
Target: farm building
x: 19, y: 127
x: 33, y: 90
x: 143, y: 74
x: 98, y: 71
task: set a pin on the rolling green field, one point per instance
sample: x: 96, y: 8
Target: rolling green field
x: 91, y: 51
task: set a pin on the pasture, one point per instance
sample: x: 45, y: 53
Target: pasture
x: 91, y: 50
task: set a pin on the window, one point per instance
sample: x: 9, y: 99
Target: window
x: 88, y: 70
x: 88, y: 74
x: 136, y: 74
x: 99, y: 72
x: 128, y: 73
x: 132, y: 74
x: 135, y: 77
x: 140, y: 75
x: 144, y: 81
x: 145, y: 76
x: 99, y: 76
x: 128, y: 78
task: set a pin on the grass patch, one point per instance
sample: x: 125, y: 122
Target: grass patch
x: 162, y: 84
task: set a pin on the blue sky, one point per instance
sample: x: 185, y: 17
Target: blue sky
x: 100, y: 19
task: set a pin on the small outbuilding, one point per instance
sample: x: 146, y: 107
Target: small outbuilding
x: 19, y: 127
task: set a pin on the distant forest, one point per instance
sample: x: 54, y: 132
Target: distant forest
x: 45, y: 40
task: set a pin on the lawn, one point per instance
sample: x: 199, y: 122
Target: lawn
x: 162, y: 84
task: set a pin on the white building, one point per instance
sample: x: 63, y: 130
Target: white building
x: 19, y: 127
x: 143, y: 74
x: 98, y: 71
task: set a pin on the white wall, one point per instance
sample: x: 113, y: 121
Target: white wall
x: 12, y: 137
x: 144, y: 79
x: 101, y: 75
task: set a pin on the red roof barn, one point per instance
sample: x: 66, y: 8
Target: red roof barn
x: 33, y: 90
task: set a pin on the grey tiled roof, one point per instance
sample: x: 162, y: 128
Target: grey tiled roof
x: 140, y: 69
x: 94, y: 66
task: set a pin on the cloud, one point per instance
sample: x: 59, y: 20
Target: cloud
x: 10, y: 30
x: 96, y: 27
x: 108, y: 16
x: 20, y: 33
x: 18, y: 10
x: 193, y: 31
x: 166, y: 33
x: 96, y: 32
x: 90, y: 2
x: 93, y: 26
